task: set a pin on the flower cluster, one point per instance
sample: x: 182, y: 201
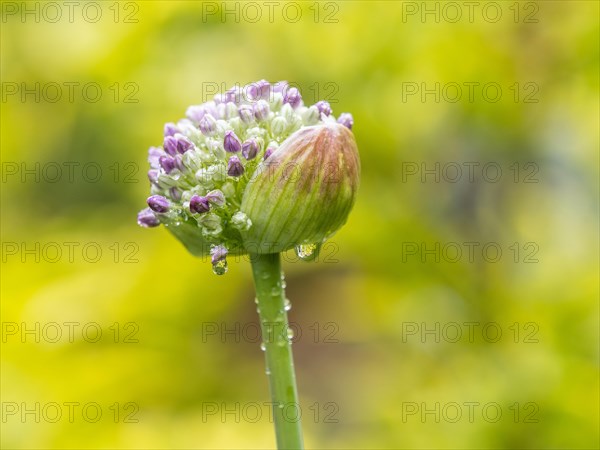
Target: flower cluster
x: 200, y: 174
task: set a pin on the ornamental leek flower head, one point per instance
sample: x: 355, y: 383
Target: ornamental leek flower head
x: 253, y: 171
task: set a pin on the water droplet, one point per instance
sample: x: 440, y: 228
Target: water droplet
x: 268, y: 372
x: 275, y: 291
x: 308, y: 252
x: 220, y: 267
x: 287, y: 305
x: 290, y: 334
x: 256, y: 300
x: 263, y: 347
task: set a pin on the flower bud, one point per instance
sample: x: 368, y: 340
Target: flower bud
x: 153, y: 176
x: 261, y: 110
x: 170, y: 145
x: 310, y: 202
x: 170, y: 129
x: 346, y: 119
x: 183, y: 143
x: 216, y: 197
x: 199, y: 204
x: 278, y: 125
x: 167, y: 163
x: 158, y: 203
x: 311, y: 116
x: 250, y: 149
x: 231, y: 143
x: 230, y: 110
x: 234, y: 167
x: 147, y: 219
x: 323, y: 107
x: 154, y: 154
x: 246, y: 113
x: 258, y: 90
x: 293, y: 97
x: 208, y: 125
x: 299, y: 193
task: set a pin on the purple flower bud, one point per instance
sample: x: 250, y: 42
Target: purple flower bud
x: 216, y: 197
x: 153, y: 176
x: 171, y: 129
x: 293, y: 97
x: 323, y: 107
x: 167, y: 163
x: 199, y: 204
x: 250, y: 149
x: 261, y: 110
x: 280, y: 87
x: 154, y: 153
x: 258, y: 90
x: 179, y: 163
x: 158, y: 203
x: 246, y: 113
x: 219, y: 98
x: 346, y: 119
x: 195, y: 113
x: 147, y: 219
x: 208, y: 125
x: 183, y: 143
x: 234, y: 167
x: 233, y: 95
x: 170, y: 145
x: 175, y: 194
x: 268, y: 152
x: 218, y: 253
x: 231, y: 143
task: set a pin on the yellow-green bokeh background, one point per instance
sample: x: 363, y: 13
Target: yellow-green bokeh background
x: 373, y: 290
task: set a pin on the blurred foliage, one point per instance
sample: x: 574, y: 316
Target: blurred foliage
x: 375, y: 289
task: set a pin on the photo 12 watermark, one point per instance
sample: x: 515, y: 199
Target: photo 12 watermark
x: 470, y: 252
x: 526, y: 12
x: 469, y: 412
x: 271, y: 12
x: 69, y: 332
x: 252, y: 412
x: 71, y: 172
x: 70, y: 412
x: 70, y: 12
x: 469, y: 172
x: 250, y: 332
x: 71, y: 252
x: 469, y: 92
x: 69, y: 92
x: 469, y: 332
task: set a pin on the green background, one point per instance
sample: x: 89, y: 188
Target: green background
x: 367, y: 350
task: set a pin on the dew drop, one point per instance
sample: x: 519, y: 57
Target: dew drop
x: 290, y: 334
x: 220, y: 267
x: 307, y: 252
x: 287, y: 305
x: 263, y: 347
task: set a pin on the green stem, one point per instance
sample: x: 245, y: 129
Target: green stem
x: 278, y: 350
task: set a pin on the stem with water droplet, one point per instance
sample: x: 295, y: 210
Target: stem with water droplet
x: 278, y: 350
